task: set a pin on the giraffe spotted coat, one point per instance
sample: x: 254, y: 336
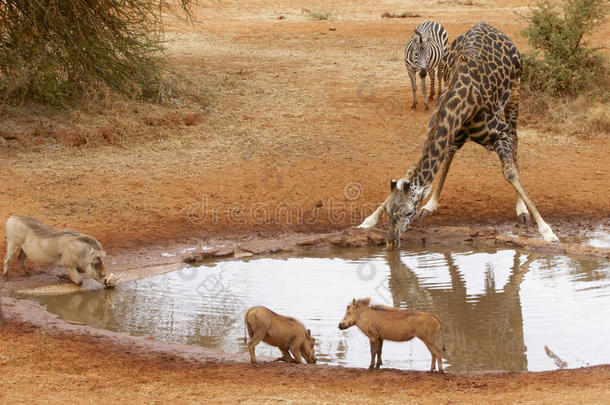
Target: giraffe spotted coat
x: 480, y: 103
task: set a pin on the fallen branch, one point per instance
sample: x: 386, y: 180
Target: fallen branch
x: 406, y: 14
x: 558, y: 362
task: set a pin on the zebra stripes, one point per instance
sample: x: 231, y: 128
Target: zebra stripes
x: 423, y: 53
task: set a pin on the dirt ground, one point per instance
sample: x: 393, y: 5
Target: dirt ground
x: 298, y: 126
x: 39, y: 367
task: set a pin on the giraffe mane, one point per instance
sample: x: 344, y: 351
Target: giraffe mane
x: 444, y: 96
x: 462, y: 58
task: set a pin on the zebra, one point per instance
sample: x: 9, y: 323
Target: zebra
x: 424, y: 52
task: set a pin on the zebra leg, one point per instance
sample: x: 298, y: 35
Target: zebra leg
x: 423, y: 89
x: 432, y: 74
x: 413, y: 87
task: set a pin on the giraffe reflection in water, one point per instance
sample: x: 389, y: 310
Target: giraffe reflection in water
x: 490, y: 302
x: 481, y: 333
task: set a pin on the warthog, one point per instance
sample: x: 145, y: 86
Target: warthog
x: 284, y: 332
x: 380, y: 322
x: 76, y: 252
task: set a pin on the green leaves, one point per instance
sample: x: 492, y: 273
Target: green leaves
x: 52, y: 51
x: 561, y: 62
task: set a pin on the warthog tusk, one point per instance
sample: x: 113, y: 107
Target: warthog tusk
x: 112, y: 280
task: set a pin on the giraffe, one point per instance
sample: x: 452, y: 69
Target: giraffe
x: 480, y: 102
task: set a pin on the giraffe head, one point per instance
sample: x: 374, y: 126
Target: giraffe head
x: 402, y: 207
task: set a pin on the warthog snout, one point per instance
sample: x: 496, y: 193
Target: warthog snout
x: 99, y: 267
x: 350, y: 318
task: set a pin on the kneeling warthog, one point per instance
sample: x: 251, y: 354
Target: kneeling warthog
x: 284, y: 332
x: 76, y: 252
x: 380, y: 322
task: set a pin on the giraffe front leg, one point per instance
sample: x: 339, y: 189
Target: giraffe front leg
x: 372, y: 219
x: 505, y: 149
x: 432, y: 203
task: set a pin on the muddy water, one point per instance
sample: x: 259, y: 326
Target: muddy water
x: 500, y: 308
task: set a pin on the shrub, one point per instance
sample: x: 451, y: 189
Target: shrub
x: 54, y: 50
x: 562, y: 62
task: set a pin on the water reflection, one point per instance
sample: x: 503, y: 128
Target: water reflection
x: 484, y: 333
x: 93, y: 307
x: 499, y: 308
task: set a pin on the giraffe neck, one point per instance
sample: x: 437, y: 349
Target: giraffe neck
x: 454, y: 107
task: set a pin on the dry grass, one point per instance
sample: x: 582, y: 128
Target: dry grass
x: 580, y: 117
x: 231, y: 86
x: 111, y: 119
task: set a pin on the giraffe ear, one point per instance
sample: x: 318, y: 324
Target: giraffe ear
x: 392, y: 185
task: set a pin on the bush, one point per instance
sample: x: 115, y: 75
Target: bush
x: 561, y: 62
x: 52, y: 51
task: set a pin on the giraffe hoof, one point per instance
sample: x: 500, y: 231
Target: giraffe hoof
x: 424, y: 213
x: 524, y: 217
x: 551, y: 238
x: 426, y: 108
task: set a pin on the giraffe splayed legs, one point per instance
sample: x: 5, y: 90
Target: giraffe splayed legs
x: 480, y: 103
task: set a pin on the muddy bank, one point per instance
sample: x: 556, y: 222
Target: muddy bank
x: 29, y: 315
x: 148, y: 261
x: 350, y: 238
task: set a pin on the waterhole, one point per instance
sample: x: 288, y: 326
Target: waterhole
x: 499, y: 308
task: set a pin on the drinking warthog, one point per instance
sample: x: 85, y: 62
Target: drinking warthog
x: 379, y: 322
x: 284, y: 332
x: 76, y: 252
